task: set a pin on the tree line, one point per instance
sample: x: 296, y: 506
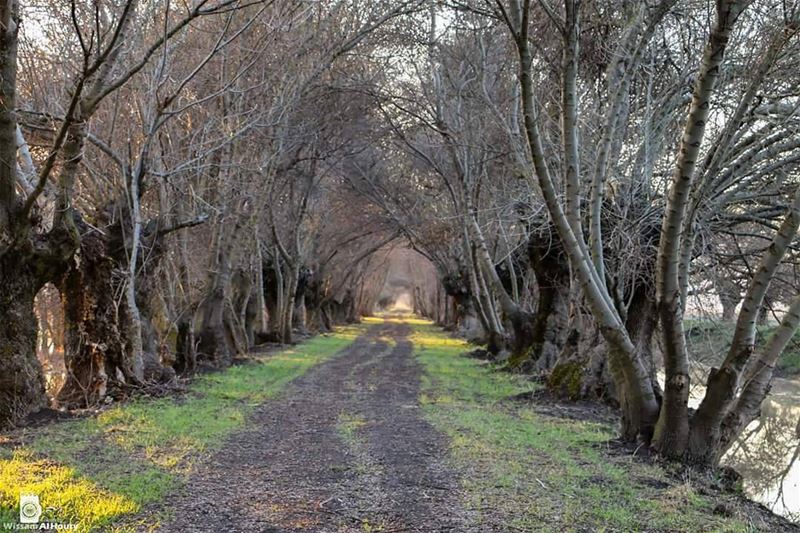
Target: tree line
x: 194, y: 179
x: 172, y: 170
x: 593, y: 166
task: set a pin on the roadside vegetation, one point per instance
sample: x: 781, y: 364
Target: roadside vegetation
x: 95, y: 469
x: 535, y: 471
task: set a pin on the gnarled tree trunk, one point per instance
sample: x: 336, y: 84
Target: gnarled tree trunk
x: 98, y: 346
x: 22, y: 388
x: 273, y: 293
x: 465, y: 316
x: 315, y: 297
x: 94, y: 347
x: 551, y: 317
x: 216, y: 345
x: 582, y: 370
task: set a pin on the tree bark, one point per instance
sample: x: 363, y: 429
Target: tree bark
x: 100, y: 341
x: 94, y: 345
x: 551, y: 317
x: 22, y: 386
x: 185, y: 346
x: 672, y: 430
x: 580, y: 370
x: 273, y: 289
x: 245, y: 306
x: 465, y: 318
x: 216, y: 344
x: 290, y: 296
x: 729, y: 297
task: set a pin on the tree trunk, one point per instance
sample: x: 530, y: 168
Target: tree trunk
x: 244, y: 305
x: 327, y: 320
x: 185, y: 346
x: 251, y: 318
x: 350, y: 309
x: 22, y: 386
x: 640, y: 410
x: 705, y: 435
x: 102, y: 349
x: 729, y: 296
x: 290, y: 296
x: 134, y: 328
x: 261, y: 305
x: 522, y: 333
x: 24, y: 270
x: 216, y: 338
x: 94, y: 346
x: 551, y: 318
x: 550, y: 327
x: 641, y: 324
x: 581, y: 371
x: 300, y: 314
x: 465, y: 317
x: 315, y: 296
x: 216, y: 346
x: 672, y: 434
x: 273, y: 288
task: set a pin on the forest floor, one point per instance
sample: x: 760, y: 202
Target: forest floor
x: 381, y: 427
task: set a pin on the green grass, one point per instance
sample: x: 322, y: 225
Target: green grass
x: 92, y: 471
x: 708, y: 342
x: 532, y: 472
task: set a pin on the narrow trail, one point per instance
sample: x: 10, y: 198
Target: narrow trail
x: 345, y: 448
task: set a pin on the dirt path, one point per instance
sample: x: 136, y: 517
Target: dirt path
x: 344, y: 449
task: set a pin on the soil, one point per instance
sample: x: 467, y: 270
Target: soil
x: 345, y: 448
x: 45, y: 416
x: 553, y: 405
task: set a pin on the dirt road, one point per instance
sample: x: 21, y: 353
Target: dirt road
x: 345, y: 448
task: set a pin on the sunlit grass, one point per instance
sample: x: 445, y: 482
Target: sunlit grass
x: 67, y: 497
x: 543, y: 473
x: 94, y: 470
